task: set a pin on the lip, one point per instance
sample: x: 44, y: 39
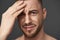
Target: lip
x: 31, y: 27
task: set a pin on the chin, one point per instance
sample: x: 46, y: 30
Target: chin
x: 30, y: 34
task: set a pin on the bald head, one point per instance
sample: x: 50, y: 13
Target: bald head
x: 40, y: 1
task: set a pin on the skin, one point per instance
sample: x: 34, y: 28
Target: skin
x: 9, y: 17
x: 31, y: 17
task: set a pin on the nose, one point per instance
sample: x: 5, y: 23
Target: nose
x: 27, y: 19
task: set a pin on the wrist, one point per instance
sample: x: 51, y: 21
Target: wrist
x: 3, y: 37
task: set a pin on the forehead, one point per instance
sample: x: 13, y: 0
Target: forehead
x: 32, y: 4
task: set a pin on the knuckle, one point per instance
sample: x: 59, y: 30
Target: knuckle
x: 3, y: 15
x: 10, y: 7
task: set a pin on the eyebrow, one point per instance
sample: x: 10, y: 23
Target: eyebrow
x: 34, y: 11
x: 23, y: 0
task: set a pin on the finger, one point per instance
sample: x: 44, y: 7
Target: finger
x: 17, y: 9
x: 0, y: 25
x: 18, y: 13
x: 17, y: 3
x: 0, y: 28
x: 13, y: 7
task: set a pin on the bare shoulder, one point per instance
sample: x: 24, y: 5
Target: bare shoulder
x: 48, y: 37
x: 20, y: 38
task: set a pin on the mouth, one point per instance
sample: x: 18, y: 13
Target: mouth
x: 29, y: 28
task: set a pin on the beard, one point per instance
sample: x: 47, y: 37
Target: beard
x: 35, y: 32
x: 38, y: 29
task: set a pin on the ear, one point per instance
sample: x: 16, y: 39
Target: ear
x: 44, y: 13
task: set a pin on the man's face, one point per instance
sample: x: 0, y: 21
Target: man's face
x: 31, y: 20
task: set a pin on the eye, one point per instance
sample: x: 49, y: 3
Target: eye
x: 33, y: 13
x: 22, y: 14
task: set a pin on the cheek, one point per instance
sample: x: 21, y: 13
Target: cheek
x: 37, y: 19
x: 20, y: 20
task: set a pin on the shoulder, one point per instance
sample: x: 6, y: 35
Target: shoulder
x: 48, y: 37
x: 20, y: 38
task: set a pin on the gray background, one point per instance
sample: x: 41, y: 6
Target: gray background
x: 52, y: 23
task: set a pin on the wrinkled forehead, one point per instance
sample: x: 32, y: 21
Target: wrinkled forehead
x: 32, y: 4
x: 24, y: 0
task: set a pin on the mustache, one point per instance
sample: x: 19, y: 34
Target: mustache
x: 28, y: 24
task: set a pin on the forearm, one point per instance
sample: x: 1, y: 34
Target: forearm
x: 2, y: 37
x: 9, y: 17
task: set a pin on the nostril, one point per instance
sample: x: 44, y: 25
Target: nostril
x: 27, y: 20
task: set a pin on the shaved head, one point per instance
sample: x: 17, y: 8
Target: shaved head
x: 40, y: 1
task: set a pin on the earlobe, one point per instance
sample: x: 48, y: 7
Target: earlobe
x: 44, y: 13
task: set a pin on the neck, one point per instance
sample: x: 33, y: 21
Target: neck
x: 39, y: 36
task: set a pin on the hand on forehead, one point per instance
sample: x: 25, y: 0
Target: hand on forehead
x: 31, y: 4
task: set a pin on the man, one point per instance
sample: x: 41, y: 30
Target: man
x: 30, y: 15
